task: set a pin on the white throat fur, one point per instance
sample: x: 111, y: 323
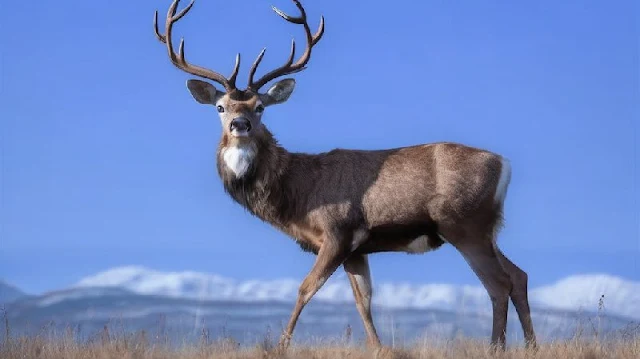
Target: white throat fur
x: 238, y: 159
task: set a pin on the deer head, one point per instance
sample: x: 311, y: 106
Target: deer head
x: 240, y: 111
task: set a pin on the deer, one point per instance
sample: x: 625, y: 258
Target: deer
x: 344, y: 204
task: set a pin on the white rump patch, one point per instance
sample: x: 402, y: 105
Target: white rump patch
x: 238, y: 159
x: 503, y: 182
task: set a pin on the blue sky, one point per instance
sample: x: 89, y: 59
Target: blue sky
x: 108, y: 161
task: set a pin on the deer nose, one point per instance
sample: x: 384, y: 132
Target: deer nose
x: 240, y: 124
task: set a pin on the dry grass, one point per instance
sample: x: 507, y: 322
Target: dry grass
x: 623, y: 343
x: 138, y: 346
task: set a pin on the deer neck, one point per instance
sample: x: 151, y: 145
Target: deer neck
x: 253, y: 175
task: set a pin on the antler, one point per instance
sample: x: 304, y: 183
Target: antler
x: 289, y: 67
x: 179, y: 61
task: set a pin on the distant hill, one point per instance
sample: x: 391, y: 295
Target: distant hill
x: 574, y: 293
x: 9, y: 293
x: 182, y: 305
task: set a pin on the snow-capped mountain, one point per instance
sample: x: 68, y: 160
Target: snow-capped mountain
x: 583, y: 292
x: 213, y: 287
x: 576, y: 293
x: 183, y: 304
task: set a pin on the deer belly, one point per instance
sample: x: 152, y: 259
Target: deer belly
x: 414, y: 238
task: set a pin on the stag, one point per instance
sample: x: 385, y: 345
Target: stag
x: 343, y: 205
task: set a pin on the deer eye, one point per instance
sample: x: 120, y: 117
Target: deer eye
x: 220, y: 109
x: 259, y: 109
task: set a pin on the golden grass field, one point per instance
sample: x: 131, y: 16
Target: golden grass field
x: 63, y: 349
x: 137, y: 346
x: 587, y: 343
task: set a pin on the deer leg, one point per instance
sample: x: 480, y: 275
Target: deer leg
x: 330, y: 257
x: 357, y: 268
x: 483, y: 260
x: 519, y: 297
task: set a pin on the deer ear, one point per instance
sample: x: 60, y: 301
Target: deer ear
x: 279, y: 92
x: 203, y: 92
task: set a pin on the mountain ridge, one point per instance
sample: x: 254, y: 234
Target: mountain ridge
x: 9, y: 292
x: 184, y: 304
x: 575, y: 292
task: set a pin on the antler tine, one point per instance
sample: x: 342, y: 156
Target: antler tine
x: 161, y: 38
x: 256, y: 63
x: 183, y: 12
x: 234, y: 74
x: 320, y: 31
x: 289, y: 67
x: 296, y: 20
x: 179, y: 60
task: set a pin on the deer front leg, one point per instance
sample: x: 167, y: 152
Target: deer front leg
x: 357, y: 268
x: 330, y: 256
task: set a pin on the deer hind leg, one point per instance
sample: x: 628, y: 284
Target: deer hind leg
x: 519, y: 297
x: 330, y: 256
x: 357, y: 268
x: 483, y: 260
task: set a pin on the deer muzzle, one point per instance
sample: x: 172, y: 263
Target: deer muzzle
x: 240, y: 126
